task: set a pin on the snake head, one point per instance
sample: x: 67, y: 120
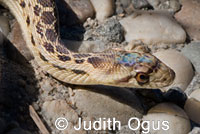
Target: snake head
x: 147, y: 71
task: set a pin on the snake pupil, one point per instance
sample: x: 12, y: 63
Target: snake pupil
x: 142, y: 78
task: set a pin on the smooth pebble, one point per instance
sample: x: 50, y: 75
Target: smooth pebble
x: 82, y: 8
x: 167, y: 118
x: 152, y: 28
x: 189, y: 16
x: 192, y: 106
x: 103, y: 8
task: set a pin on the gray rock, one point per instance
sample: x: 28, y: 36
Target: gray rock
x: 110, y: 31
x: 128, y: 6
x: 140, y: 3
x: 47, y: 86
x: 125, y: 3
x: 109, y: 103
x: 195, y: 130
x: 58, y: 108
x: 168, y: 5
x: 123, y: 6
x: 192, y: 52
x: 119, y: 9
x: 194, y: 84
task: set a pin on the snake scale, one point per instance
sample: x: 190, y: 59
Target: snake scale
x: 115, y: 67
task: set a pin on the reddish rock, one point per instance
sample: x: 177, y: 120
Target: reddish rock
x: 82, y: 8
x: 189, y: 18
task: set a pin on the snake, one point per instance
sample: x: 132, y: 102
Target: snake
x: 38, y: 20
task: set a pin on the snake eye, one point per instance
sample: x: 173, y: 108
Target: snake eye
x: 142, y: 78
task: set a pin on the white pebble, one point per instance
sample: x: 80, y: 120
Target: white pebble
x: 103, y: 8
x: 152, y: 28
x: 192, y: 106
x: 167, y: 118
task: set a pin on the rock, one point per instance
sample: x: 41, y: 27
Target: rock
x: 85, y: 46
x: 167, y: 118
x: 82, y: 8
x: 127, y: 7
x: 103, y: 8
x: 90, y: 23
x: 97, y: 105
x: 126, y: 129
x: 195, y: 130
x: 123, y: 7
x: 138, y: 4
x: 4, y: 25
x: 70, y: 130
x: 192, y: 106
x: 110, y: 31
x: 59, y: 108
x: 124, y: 3
x: 192, y: 52
x: 195, y: 94
x: 65, y: 13
x: 189, y: 16
x: 152, y: 28
x: 18, y: 41
x: 46, y: 86
x: 168, y: 5
x: 180, y: 64
x: 18, y: 131
x: 194, y: 85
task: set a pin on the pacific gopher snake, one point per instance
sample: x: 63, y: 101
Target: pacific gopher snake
x: 115, y: 67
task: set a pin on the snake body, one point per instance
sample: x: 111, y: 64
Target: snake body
x: 115, y: 67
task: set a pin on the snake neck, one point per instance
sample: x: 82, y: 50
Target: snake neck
x: 39, y: 25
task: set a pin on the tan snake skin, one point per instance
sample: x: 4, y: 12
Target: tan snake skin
x: 135, y: 69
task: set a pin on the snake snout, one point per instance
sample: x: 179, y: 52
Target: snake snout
x: 168, y: 75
